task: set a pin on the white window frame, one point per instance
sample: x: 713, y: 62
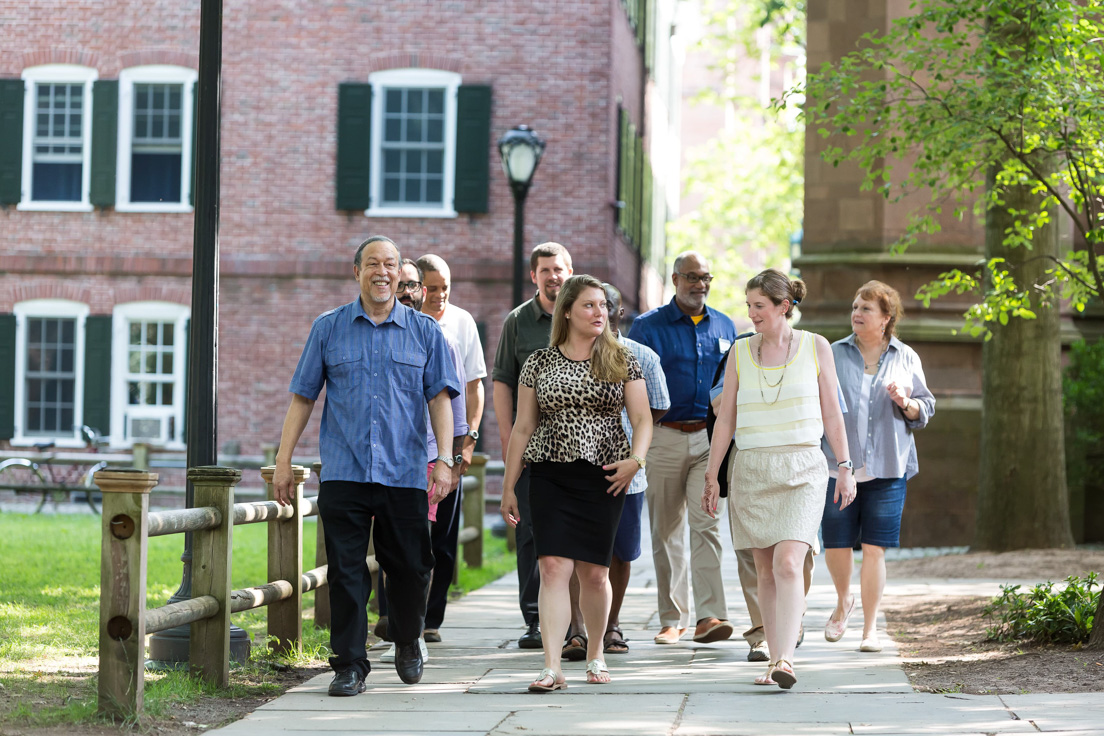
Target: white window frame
x: 63, y: 308
x: 56, y: 74
x: 406, y: 78
x: 121, y: 317
x: 154, y: 74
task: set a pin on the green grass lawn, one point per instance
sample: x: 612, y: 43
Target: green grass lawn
x: 49, y: 614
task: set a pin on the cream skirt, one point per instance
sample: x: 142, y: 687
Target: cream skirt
x: 776, y: 494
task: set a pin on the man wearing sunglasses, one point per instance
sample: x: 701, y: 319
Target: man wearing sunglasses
x: 690, y: 339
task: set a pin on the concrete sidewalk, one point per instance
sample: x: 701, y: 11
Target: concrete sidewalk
x: 475, y: 683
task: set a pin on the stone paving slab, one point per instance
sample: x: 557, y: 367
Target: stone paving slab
x: 475, y: 682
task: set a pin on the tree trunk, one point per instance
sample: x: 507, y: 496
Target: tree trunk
x: 1096, y: 639
x: 1022, y: 501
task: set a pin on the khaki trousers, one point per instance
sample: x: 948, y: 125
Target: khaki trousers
x: 676, y: 478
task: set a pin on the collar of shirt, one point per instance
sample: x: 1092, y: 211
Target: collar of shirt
x: 398, y: 315
x: 536, y: 309
x: 672, y: 312
x: 893, y: 343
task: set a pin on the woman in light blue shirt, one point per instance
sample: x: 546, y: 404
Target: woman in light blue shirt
x: 888, y: 400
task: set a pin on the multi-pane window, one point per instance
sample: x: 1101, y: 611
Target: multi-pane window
x: 413, y: 143
x: 151, y: 381
x: 58, y: 143
x: 147, y: 373
x: 50, y: 376
x: 157, y: 145
x: 413, y: 146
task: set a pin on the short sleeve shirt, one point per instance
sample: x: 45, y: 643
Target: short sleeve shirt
x: 374, y: 375
x: 527, y: 329
x: 580, y: 417
x: 459, y: 324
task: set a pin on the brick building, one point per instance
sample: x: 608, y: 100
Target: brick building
x: 339, y: 120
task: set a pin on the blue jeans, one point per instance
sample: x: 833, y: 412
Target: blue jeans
x: 875, y: 514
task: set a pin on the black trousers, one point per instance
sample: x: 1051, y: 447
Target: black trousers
x: 444, y: 536
x: 527, y: 570
x: 402, y: 546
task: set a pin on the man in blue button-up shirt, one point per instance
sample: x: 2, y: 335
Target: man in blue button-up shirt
x: 380, y: 363
x: 690, y: 338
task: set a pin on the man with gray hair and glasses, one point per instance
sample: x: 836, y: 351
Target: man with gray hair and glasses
x: 690, y: 339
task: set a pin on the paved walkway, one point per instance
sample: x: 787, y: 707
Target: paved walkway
x: 475, y: 683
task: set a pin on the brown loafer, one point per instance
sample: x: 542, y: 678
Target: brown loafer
x: 669, y: 635
x: 712, y: 629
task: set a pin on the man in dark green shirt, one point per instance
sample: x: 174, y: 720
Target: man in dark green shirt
x: 526, y: 330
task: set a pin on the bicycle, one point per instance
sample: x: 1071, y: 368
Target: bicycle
x: 40, y: 475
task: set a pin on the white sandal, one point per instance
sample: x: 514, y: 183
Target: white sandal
x: 547, y: 673
x: 595, y: 669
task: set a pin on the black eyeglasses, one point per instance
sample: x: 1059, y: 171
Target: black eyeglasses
x: 410, y: 285
x: 693, y: 278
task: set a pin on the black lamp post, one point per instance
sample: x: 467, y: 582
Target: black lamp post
x: 521, y: 152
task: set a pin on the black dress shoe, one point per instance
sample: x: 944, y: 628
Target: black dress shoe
x: 531, y: 639
x: 408, y: 662
x: 347, y: 682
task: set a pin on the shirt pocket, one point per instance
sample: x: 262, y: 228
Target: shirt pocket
x: 407, y: 368
x: 344, y: 367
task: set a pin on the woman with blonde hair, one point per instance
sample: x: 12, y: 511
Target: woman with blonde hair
x: 888, y: 401
x: 568, y: 429
x: 779, y: 399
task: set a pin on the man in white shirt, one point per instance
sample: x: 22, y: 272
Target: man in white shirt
x: 458, y: 324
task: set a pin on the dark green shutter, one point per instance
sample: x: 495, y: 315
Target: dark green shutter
x: 638, y: 188
x: 97, y: 373
x: 195, y: 141
x: 7, y: 368
x: 646, y: 209
x: 105, y: 137
x: 354, y: 145
x: 473, y: 148
x: 11, y: 141
x: 622, y: 171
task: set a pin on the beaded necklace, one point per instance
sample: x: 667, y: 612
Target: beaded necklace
x: 762, y: 371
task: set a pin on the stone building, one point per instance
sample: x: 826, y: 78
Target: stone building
x: 339, y: 120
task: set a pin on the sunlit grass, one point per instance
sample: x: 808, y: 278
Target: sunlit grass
x: 49, y: 616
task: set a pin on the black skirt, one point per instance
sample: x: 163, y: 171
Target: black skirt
x: 573, y: 515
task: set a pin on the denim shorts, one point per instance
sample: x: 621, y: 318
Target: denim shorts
x: 626, y: 545
x: 875, y: 514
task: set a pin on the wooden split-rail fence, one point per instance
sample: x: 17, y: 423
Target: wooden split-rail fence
x: 127, y: 526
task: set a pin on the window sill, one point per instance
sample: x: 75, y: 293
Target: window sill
x: 59, y: 442
x: 54, y: 207
x: 161, y: 208
x: 440, y: 214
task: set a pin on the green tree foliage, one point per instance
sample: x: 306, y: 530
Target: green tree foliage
x: 962, y: 88
x: 750, y: 176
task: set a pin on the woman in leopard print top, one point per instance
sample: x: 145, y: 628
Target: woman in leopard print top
x: 568, y: 430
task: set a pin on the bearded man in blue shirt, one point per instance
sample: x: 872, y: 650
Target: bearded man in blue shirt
x: 378, y: 360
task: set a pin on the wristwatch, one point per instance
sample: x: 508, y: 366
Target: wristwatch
x: 446, y: 460
x: 474, y: 434
x: 458, y: 459
x: 638, y: 459
x: 845, y: 464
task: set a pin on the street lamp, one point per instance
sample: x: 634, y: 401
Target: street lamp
x: 521, y: 152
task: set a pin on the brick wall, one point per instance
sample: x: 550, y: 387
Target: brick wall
x: 285, y: 252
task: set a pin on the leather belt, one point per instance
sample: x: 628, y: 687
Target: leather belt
x: 692, y: 425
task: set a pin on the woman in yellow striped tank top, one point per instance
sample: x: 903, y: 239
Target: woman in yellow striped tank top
x: 779, y: 399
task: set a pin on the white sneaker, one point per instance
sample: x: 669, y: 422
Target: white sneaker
x: 388, y: 657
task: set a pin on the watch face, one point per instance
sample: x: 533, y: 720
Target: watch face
x: 474, y: 434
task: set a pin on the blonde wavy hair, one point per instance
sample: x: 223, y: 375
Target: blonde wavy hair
x: 610, y: 361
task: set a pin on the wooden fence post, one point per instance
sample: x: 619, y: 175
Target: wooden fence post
x: 124, y: 528
x: 474, y: 508
x: 209, y: 649
x: 285, y: 562
x: 321, y: 593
